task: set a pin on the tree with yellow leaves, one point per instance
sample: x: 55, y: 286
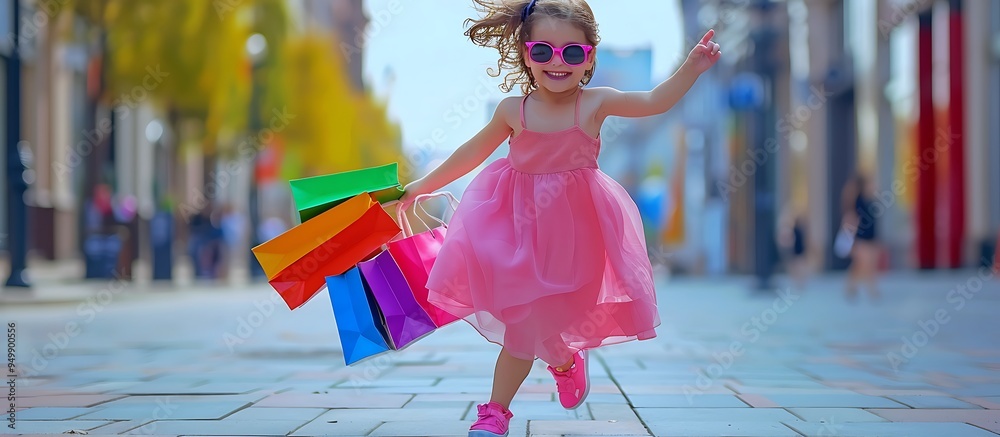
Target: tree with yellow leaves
x: 319, y: 94
x: 199, y: 48
x: 188, y: 56
x: 337, y: 129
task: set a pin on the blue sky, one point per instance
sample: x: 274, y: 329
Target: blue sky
x: 441, y: 94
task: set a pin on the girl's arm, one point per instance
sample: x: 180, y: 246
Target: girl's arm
x: 668, y: 93
x: 467, y: 157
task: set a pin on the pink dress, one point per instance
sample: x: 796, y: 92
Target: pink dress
x: 546, y: 254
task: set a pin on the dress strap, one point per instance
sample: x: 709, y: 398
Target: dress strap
x: 576, y: 118
x: 525, y: 99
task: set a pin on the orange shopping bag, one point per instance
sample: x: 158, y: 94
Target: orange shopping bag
x: 305, y: 277
x: 283, y: 250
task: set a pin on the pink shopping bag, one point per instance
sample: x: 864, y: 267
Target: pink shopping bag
x: 415, y: 255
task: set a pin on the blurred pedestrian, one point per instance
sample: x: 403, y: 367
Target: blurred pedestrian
x: 792, y: 241
x: 546, y: 254
x: 102, y: 247
x: 996, y: 255
x: 860, y: 215
x: 270, y: 228
x: 234, y: 229
x: 126, y: 210
x: 205, y: 247
x: 100, y: 211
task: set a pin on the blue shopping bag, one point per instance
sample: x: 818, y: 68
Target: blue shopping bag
x: 359, y: 319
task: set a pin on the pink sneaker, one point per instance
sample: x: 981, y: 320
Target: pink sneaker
x: 494, y: 421
x: 574, y: 383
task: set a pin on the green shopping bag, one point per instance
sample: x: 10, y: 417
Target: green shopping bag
x: 317, y: 194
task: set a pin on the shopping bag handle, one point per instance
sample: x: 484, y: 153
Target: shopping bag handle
x: 405, y: 222
x: 452, y: 201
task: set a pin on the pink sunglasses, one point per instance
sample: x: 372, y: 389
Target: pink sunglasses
x: 571, y: 54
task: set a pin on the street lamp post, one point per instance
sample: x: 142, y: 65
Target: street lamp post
x: 257, y: 49
x: 765, y: 203
x: 17, y: 211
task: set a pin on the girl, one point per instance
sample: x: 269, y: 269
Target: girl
x: 859, y: 206
x: 545, y: 256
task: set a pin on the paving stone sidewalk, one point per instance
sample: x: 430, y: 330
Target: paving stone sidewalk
x: 727, y: 362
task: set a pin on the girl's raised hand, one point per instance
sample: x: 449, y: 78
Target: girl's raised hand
x: 705, y: 54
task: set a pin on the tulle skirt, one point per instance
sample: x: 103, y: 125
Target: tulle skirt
x: 547, y: 264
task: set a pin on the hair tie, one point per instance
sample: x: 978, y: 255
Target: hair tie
x: 527, y: 10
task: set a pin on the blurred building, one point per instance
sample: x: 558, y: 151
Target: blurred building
x: 54, y: 94
x: 728, y: 117
x: 344, y: 19
x: 909, y: 82
x: 897, y: 90
x: 664, y: 161
x: 73, y: 141
x: 808, y: 93
x: 811, y: 92
x: 6, y: 53
x: 711, y: 226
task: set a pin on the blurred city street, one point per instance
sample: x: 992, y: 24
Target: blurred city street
x: 213, y: 360
x: 178, y: 173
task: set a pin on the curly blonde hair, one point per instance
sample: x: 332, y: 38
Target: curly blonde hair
x: 500, y: 27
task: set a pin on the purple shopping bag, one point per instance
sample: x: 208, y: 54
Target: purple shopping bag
x: 404, y: 318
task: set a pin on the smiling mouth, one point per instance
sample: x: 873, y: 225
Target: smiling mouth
x: 557, y: 75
